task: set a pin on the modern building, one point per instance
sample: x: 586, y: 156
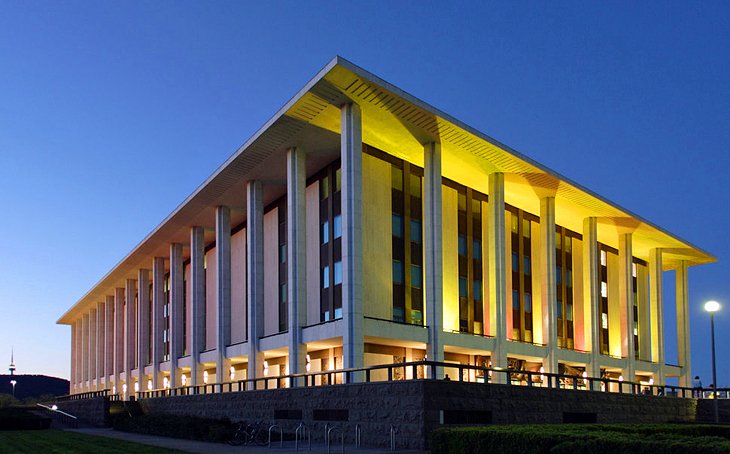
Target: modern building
x: 361, y: 226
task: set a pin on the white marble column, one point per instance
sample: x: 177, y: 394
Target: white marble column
x: 548, y: 287
x: 131, y: 334
x: 626, y: 301
x: 101, y: 375
x: 656, y: 302
x: 109, y: 342
x: 143, y: 325
x: 197, y: 300
x: 223, y: 291
x: 118, y: 337
x: 296, y: 258
x: 92, y: 349
x: 682, y: 300
x: 434, y: 256
x: 176, y: 311
x: 74, y: 358
x: 591, y: 294
x: 497, y: 271
x: 255, y: 274
x: 85, y: 352
x: 158, y: 319
x: 352, y: 241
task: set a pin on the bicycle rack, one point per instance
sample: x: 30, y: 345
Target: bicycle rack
x: 392, y: 438
x: 302, y: 431
x: 342, y: 439
x: 281, y: 435
x: 358, y: 434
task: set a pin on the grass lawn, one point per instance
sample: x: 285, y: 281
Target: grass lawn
x: 56, y: 441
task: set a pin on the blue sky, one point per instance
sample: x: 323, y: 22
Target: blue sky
x: 111, y: 113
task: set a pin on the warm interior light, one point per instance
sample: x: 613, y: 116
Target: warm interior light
x: 166, y: 382
x: 712, y: 306
x: 620, y: 378
x: 266, y: 368
x: 651, y: 381
x: 149, y: 385
x: 233, y: 373
x: 205, y: 377
x: 136, y: 387
x: 124, y: 388
x: 184, y: 380
x: 585, y: 374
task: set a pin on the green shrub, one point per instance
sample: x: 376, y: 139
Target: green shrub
x: 572, y: 438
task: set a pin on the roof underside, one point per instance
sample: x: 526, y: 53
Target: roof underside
x: 399, y: 124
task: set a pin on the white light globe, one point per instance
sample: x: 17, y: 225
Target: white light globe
x: 712, y: 306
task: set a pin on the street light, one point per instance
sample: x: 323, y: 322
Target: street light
x: 13, y: 382
x: 712, y: 307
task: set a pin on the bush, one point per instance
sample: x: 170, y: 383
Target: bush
x: 20, y: 419
x: 188, y: 427
x: 572, y: 438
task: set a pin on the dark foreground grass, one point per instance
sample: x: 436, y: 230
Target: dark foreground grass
x: 56, y: 441
x: 579, y: 438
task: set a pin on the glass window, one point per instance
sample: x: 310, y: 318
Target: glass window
x: 462, y: 245
x: 398, y: 314
x: 568, y: 244
x: 476, y: 250
x: 283, y: 293
x: 604, y: 258
x: 463, y: 286
x: 526, y: 228
x: 528, y: 302
x: 396, y: 178
x: 604, y: 321
x: 515, y: 223
x: 558, y: 241
x: 477, y: 290
x: 634, y: 270
x: 325, y: 232
x: 282, y: 253
x: 397, y: 225
x: 326, y: 277
x: 569, y: 310
x: 476, y: 207
x: 415, y: 231
x: 398, y: 272
x: 526, y: 265
x: 604, y: 290
x: 415, y: 185
x: 337, y: 226
x: 416, y: 276
x: 338, y: 273
x: 516, y: 300
x: 338, y: 312
x: 560, y: 310
x: 338, y: 180
x: 515, y: 261
x: 462, y: 201
x: 558, y: 275
x: 324, y: 188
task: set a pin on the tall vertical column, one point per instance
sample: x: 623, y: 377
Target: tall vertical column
x: 92, y: 349
x: 223, y: 290
x: 626, y: 302
x: 197, y: 300
x: 656, y: 302
x: 591, y: 292
x: 158, y: 318
x: 255, y: 275
x: 296, y: 257
x: 548, y: 283
x: 109, y: 341
x: 683, y: 352
x: 100, y: 346
x: 434, y: 257
x: 176, y: 311
x: 84, y: 352
x: 143, y: 325
x: 497, y: 272
x: 118, y: 337
x: 74, y: 367
x: 130, y: 288
x: 352, y: 249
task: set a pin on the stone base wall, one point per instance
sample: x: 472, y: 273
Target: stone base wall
x: 706, y: 410
x: 93, y: 411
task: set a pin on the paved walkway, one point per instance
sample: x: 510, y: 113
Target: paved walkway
x: 206, y: 447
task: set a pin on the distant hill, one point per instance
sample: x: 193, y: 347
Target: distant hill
x: 34, y: 385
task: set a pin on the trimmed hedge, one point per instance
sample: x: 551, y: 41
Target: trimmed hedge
x: 188, y: 427
x: 572, y: 438
x: 21, y: 419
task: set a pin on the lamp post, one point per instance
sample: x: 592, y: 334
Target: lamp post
x: 712, y: 307
x: 13, y: 382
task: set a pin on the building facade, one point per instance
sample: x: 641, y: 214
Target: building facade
x: 361, y: 226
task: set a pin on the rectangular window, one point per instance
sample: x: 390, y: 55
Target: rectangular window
x: 398, y: 275
x: 397, y: 226
x: 326, y: 276
x: 325, y: 234
x: 416, y: 277
x: 415, y: 231
x: 337, y: 226
x: 338, y: 273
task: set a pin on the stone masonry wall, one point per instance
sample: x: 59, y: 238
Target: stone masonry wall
x: 91, y: 411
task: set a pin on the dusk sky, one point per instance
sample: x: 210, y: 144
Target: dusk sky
x: 111, y: 113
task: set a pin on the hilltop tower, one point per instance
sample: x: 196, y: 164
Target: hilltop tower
x: 12, y: 363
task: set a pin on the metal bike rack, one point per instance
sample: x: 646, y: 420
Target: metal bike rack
x: 302, y: 431
x: 281, y: 435
x: 342, y: 439
x: 392, y: 437
x: 358, y: 434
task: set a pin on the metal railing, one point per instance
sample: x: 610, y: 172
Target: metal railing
x: 417, y: 370
x: 302, y: 433
x: 84, y: 395
x: 329, y: 431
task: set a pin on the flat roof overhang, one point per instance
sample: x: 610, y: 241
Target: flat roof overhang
x: 400, y: 124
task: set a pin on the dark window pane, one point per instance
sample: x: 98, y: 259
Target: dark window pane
x: 463, y: 286
x: 397, y: 225
x: 398, y: 272
x: 415, y: 231
x: 338, y: 273
x: 337, y: 226
x: 462, y: 245
x: 476, y: 250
